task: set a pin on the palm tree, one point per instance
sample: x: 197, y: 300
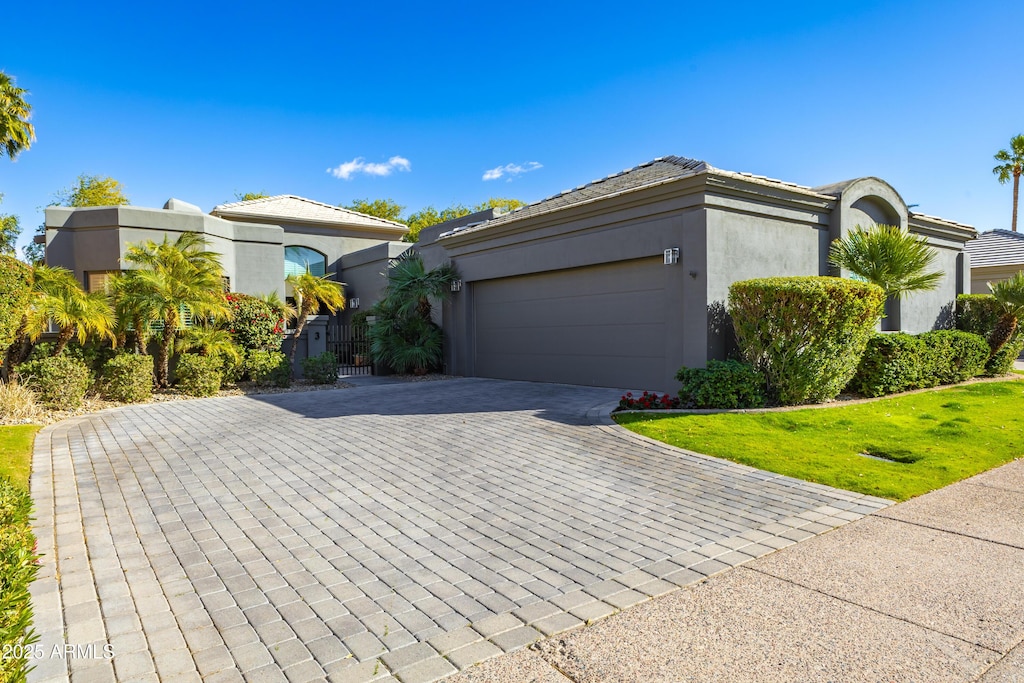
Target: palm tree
x: 311, y: 294
x: 1010, y: 295
x: 889, y: 257
x: 284, y: 310
x: 1012, y: 166
x: 411, y: 286
x: 132, y: 315
x: 176, y: 281
x: 16, y: 133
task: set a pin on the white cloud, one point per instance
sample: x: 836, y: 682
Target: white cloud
x: 511, y: 170
x: 346, y: 170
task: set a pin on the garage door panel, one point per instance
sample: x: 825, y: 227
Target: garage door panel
x: 625, y: 308
x: 580, y: 340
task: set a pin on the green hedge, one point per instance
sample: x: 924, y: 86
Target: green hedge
x: 197, y: 375
x: 128, y: 378
x: 723, y: 384
x: 16, y: 285
x: 804, y: 334
x: 902, y: 362
x: 18, y: 568
x: 59, y: 381
x: 979, y: 313
x: 322, y: 369
x: 268, y: 368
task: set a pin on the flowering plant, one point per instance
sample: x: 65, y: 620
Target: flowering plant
x: 648, y: 401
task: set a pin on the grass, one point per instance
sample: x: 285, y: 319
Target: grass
x: 920, y: 442
x: 16, y: 452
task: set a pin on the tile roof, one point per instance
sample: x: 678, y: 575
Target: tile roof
x: 655, y: 172
x: 285, y: 206
x: 997, y: 248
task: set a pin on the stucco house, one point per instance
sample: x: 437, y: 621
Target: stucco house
x: 996, y: 255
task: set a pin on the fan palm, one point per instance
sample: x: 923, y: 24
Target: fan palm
x: 175, y: 282
x: 1012, y: 167
x: 1010, y: 295
x: 312, y: 293
x: 411, y: 286
x: 16, y: 133
x: 889, y: 257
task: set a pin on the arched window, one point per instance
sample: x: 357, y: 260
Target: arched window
x: 297, y: 260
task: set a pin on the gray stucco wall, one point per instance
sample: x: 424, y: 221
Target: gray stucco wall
x: 363, y: 274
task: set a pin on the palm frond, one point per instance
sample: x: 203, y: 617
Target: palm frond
x: 889, y: 257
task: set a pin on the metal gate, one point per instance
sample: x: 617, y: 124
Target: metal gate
x: 351, y: 347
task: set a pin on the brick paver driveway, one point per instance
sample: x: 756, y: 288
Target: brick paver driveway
x: 361, y: 534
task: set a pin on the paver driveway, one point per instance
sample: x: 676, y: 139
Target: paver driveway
x: 363, y: 533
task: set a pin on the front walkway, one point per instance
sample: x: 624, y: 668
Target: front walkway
x: 392, y: 532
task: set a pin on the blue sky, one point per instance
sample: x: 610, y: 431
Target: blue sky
x: 419, y: 101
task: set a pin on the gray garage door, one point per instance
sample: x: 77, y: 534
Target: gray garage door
x: 599, y: 326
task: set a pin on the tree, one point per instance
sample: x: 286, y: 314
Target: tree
x: 16, y: 133
x: 175, y: 280
x: 500, y: 203
x: 1011, y: 167
x: 311, y: 294
x: 889, y: 257
x: 428, y: 216
x: 92, y: 190
x: 388, y: 209
x: 10, y: 228
x: 1010, y: 295
x: 250, y: 196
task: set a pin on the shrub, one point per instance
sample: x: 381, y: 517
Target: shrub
x: 19, y: 564
x: 232, y: 368
x: 128, y: 378
x: 723, y: 384
x: 16, y: 284
x: 59, y: 381
x: 954, y: 355
x: 902, y: 362
x: 94, y: 353
x: 268, y: 368
x: 254, y: 325
x: 649, y: 401
x: 979, y: 313
x: 806, y: 335
x: 197, y: 375
x: 322, y: 369
x: 17, y: 402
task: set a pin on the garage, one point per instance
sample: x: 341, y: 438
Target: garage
x: 597, y: 325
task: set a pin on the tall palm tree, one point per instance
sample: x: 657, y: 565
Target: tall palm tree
x: 889, y: 257
x: 1010, y: 295
x: 176, y: 281
x: 16, y: 133
x: 311, y: 294
x: 1012, y: 166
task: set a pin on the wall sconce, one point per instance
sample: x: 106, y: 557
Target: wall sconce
x: 672, y: 256
x: 456, y: 285
x: 353, y: 302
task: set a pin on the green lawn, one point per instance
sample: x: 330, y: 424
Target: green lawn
x: 929, y: 439
x: 16, y: 452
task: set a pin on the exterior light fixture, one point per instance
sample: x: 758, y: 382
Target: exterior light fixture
x: 353, y: 302
x: 672, y: 256
x: 456, y: 285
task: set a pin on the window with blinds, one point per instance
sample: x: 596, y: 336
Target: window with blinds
x: 97, y: 281
x: 297, y: 260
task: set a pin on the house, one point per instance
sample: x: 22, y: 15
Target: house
x: 995, y: 255
x: 622, y: 281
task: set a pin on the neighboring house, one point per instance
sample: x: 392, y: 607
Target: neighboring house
x: 996, y: 255
x: 622, y: 281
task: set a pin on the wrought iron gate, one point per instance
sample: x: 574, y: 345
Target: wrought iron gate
x: 350, y: 346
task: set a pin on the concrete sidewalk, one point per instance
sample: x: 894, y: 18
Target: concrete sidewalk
x: 929, y: 590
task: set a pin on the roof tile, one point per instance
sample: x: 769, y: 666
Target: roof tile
x: 286, y: 206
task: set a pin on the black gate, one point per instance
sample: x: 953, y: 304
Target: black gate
x: 350, y: 346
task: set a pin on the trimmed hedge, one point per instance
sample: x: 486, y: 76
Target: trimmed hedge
x: 128, y: 378
x: 902, y: 362
x: 18, y: 568
x: 268, y: 368
x: 59, y: 381
x: 197, y: 375
x: 322, y: 369
x: 16, y: 285
x: 723, y: 384
x: 806, y: 335
x: 979, y: 313
x: 254, y: 325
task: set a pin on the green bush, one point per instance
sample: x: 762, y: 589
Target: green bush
x: 18, y: 568
x: 268, y: 368
x: 60, y: 381
x: 322, y: 369
x: 197, y: 375
x: 232, y: 368
x: 979, y: 313
x: 16, y: 284
x: 128, y: 378
x: 254, y: 325
x: 804, y: 334
x: 723, y: 384
x: 955, y: 355
x: 902, y: 362
x: 94, y: 353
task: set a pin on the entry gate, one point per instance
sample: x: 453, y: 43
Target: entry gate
x: 351, y: 347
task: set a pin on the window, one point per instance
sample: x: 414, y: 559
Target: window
x: 96, y: 281
x: 297, y: 260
